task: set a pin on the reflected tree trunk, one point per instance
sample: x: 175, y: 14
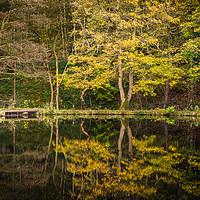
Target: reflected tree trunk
x: 56, y: 153
x: 166, y: 136
x: 83, y: 130
x: 3, y: 152
x: 62, y: 175
x: 14, y: 146
x: 122, y: 131
x: 26, y: 156
x: 130, y: 140
x: 58, y: 141
x: 124, y: 126
x: 191, y: 136
x: 49, y: 146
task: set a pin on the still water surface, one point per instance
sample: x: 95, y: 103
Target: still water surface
x: 100, y: 159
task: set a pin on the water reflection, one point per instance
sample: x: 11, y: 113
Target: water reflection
x: 99, y: 159
x: 124, y: 127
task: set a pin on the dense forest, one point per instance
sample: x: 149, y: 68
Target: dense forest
x: 100, y: 54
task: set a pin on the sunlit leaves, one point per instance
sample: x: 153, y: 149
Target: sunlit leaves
x: 85, y: 156
x: 97, y: 173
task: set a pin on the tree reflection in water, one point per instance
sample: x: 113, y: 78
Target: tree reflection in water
x: 77, y: 168
x: 150, y: 171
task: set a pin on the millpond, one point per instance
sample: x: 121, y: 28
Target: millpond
x: 100, y: 158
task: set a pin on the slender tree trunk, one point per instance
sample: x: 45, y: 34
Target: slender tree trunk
x: 14, y: 84
x: 125, y: 99
x: 130, y: 90
x: 63, y: 40
x: 83, y: 105
x: 74, y: 35
x: 166, y: 94
x: 65, y: 29
x: 57, y: 84
x: 26, y: 56
x: 14, y: 88
x: 120, y: 81
x: 191, y: 95
x: 51, y: 85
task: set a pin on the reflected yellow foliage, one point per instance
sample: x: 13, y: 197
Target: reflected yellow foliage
x: 96, y: 173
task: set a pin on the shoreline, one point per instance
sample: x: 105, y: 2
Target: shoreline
x: 157, y: 112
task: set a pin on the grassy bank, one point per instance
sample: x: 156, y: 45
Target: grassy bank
x: 157, y: 112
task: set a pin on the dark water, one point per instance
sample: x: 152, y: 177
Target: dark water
x: 100, y: 159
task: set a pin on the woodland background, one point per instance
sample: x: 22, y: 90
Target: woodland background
x: 100, y: 54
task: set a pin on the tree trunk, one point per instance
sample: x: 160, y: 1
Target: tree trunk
x: 26, y: 56
x: 74, y: 36
x: 166, y: 94
x: 83, y: 105
x: 51, y: 85
x: 63, y: 40
x: 120, y: 81
x: 14, y: 84
x: 191, y: 95
x: 125, y: 99
x: 57, y: 84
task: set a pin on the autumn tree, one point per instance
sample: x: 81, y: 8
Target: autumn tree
x: 89, y: 67
x: 57, y: 37
x: 188, y: 54
x: 130, y: 35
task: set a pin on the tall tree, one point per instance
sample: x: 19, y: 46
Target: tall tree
x: 90, y: 67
